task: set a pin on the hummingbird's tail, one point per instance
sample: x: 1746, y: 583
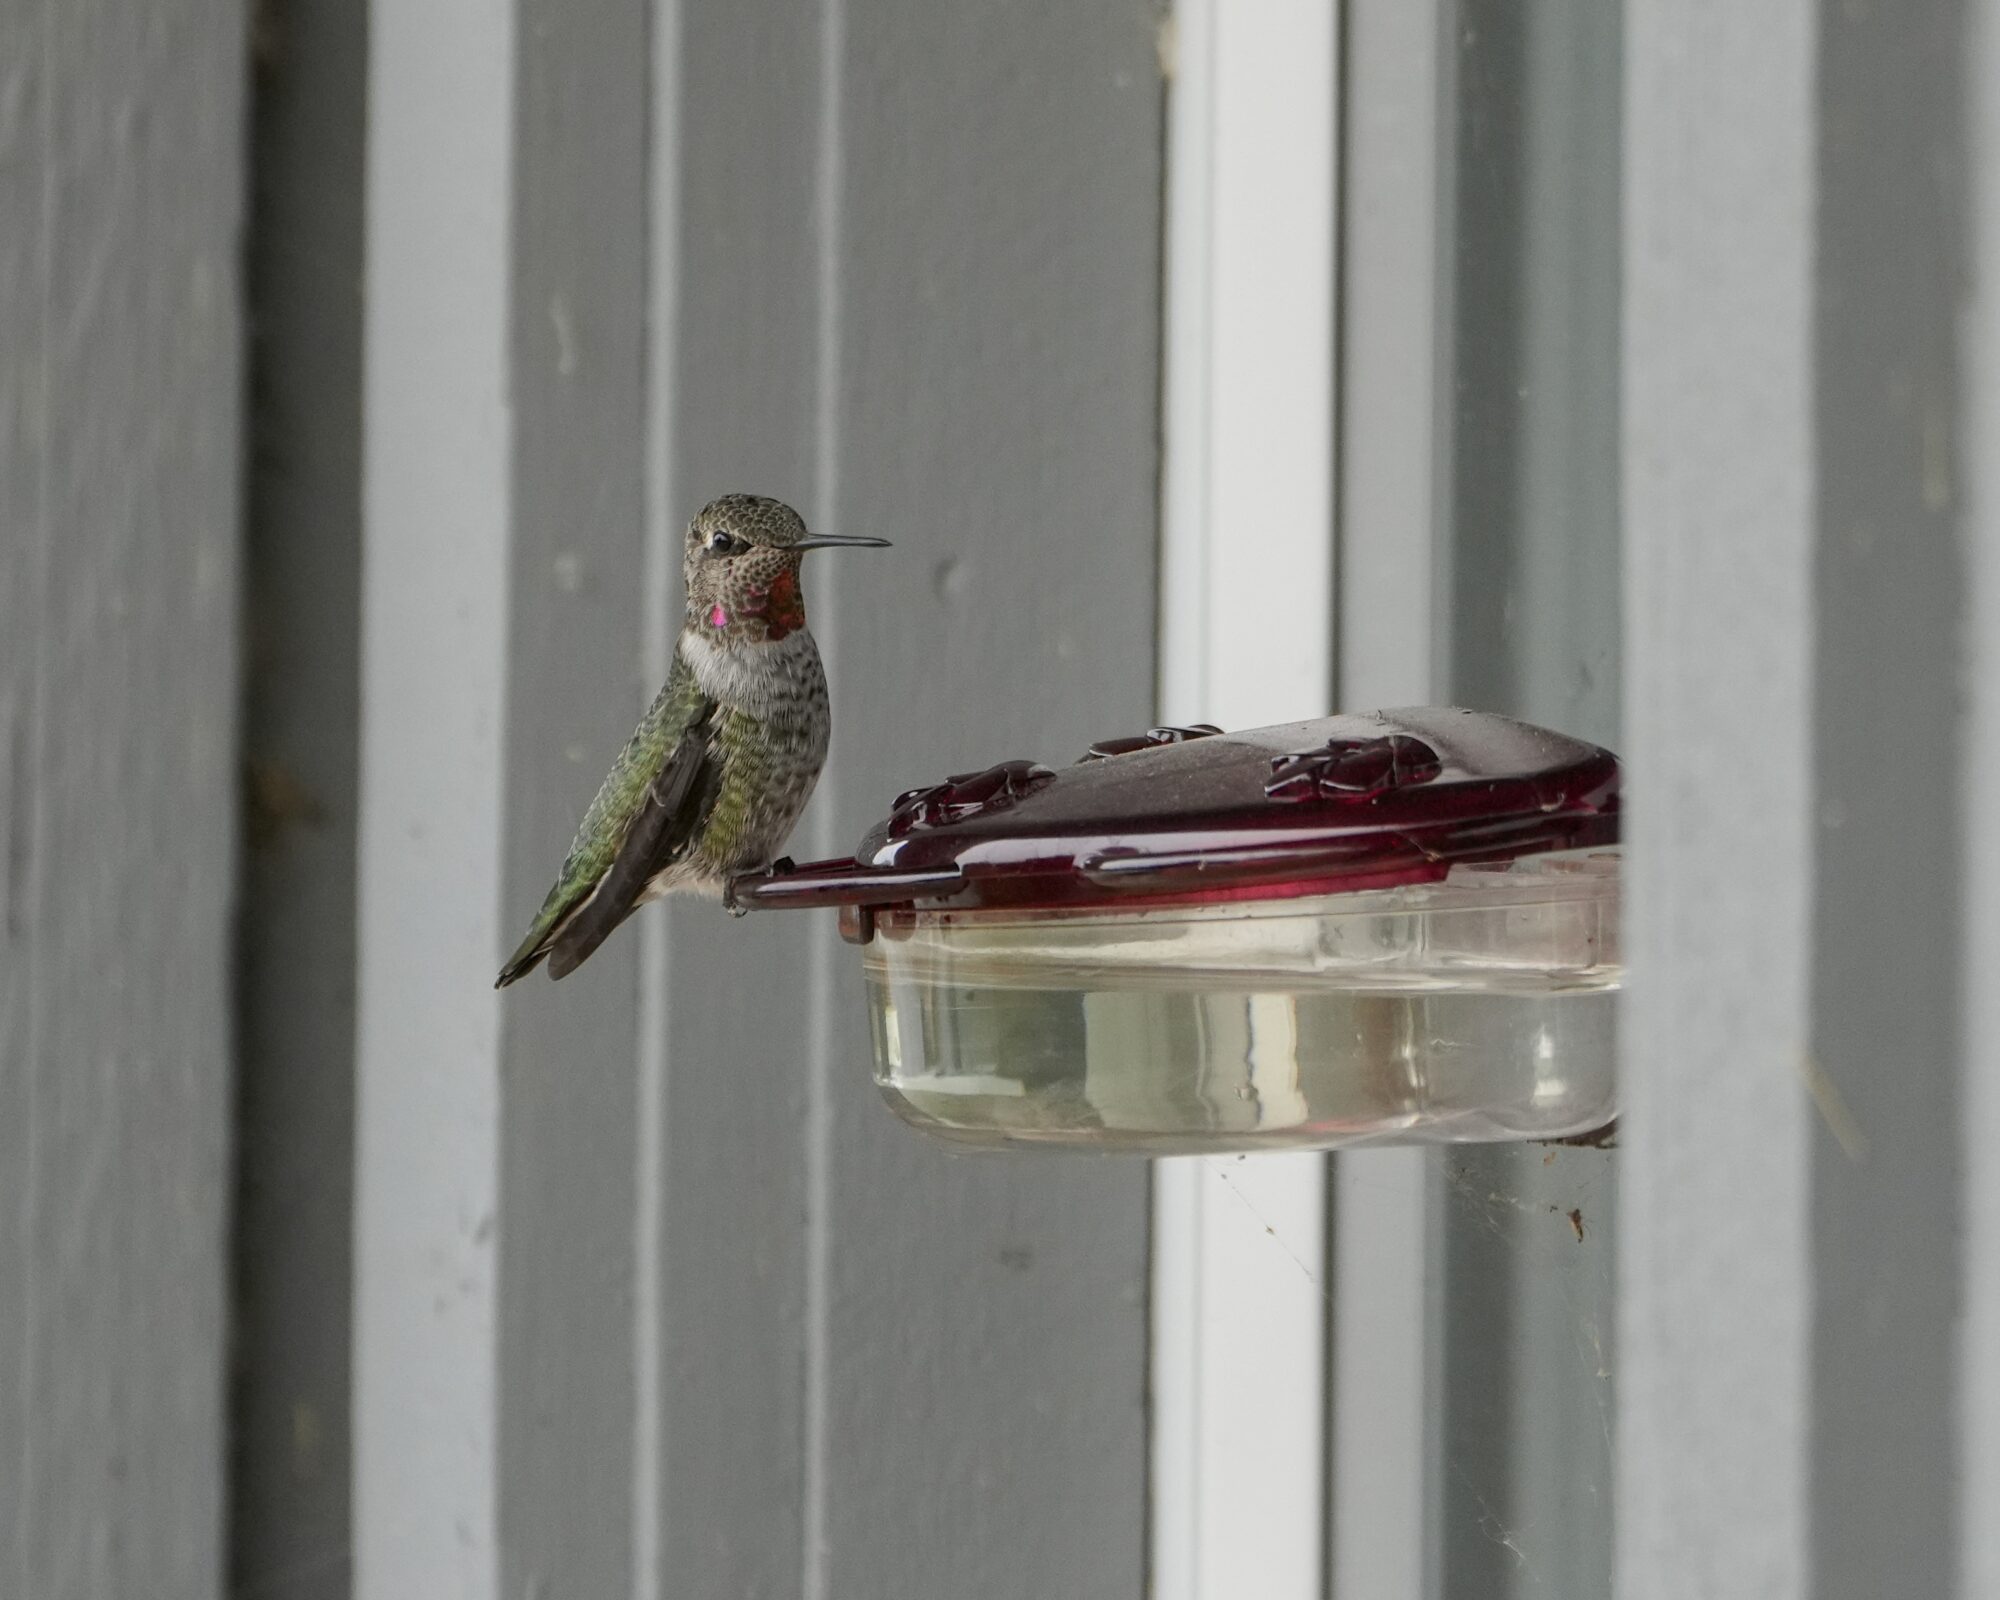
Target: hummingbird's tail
x: 551, y: 922
x: 524, y: 960
x: 565, y: 947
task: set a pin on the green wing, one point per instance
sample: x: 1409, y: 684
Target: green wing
x: 647, y: 810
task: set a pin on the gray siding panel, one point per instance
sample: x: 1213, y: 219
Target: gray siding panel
x: 1889, y: 576
x: 120, y: 196
x: 993, y: 411
x: 1797, y: 740
x: 879, y: 1364
x: 574, y: 687
x: 1394, y: 334
x: 736, y: 277
x: 1716, y: 427
x: 23, y: 555
x: 1527, y: 1356
x: 655, y: 1296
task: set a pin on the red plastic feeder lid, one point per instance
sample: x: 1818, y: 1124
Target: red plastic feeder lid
x: 1349, y: 802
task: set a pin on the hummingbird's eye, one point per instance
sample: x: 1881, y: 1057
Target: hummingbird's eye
x: 724, y: 544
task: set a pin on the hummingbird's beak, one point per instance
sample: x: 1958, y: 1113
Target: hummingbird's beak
x: 834, y: 541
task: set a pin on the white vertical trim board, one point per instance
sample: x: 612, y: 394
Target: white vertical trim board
x: 823, y: 981
x: 434, y: 604
x: 1979, y: 363
x: 1239, y: 1298
x: 665, y: 518
x: 1391, y: 233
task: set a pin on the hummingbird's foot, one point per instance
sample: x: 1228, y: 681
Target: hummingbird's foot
x: 770, y: 869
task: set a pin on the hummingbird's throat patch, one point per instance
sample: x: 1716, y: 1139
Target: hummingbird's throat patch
x: 777, y: 608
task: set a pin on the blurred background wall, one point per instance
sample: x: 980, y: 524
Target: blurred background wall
x: 1629, y: 368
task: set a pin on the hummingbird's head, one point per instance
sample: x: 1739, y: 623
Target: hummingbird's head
x: 742, y: 568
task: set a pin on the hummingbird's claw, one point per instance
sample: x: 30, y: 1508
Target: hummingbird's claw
x: 770, y: 869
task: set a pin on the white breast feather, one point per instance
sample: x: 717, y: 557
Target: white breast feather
x: 743, y: 676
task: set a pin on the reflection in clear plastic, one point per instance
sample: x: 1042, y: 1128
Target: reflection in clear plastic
x: 1479, y: 1008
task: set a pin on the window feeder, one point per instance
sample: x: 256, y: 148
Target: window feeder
x: 1399, y: 928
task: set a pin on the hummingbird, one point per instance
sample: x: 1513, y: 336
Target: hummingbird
x: 723, y: 762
